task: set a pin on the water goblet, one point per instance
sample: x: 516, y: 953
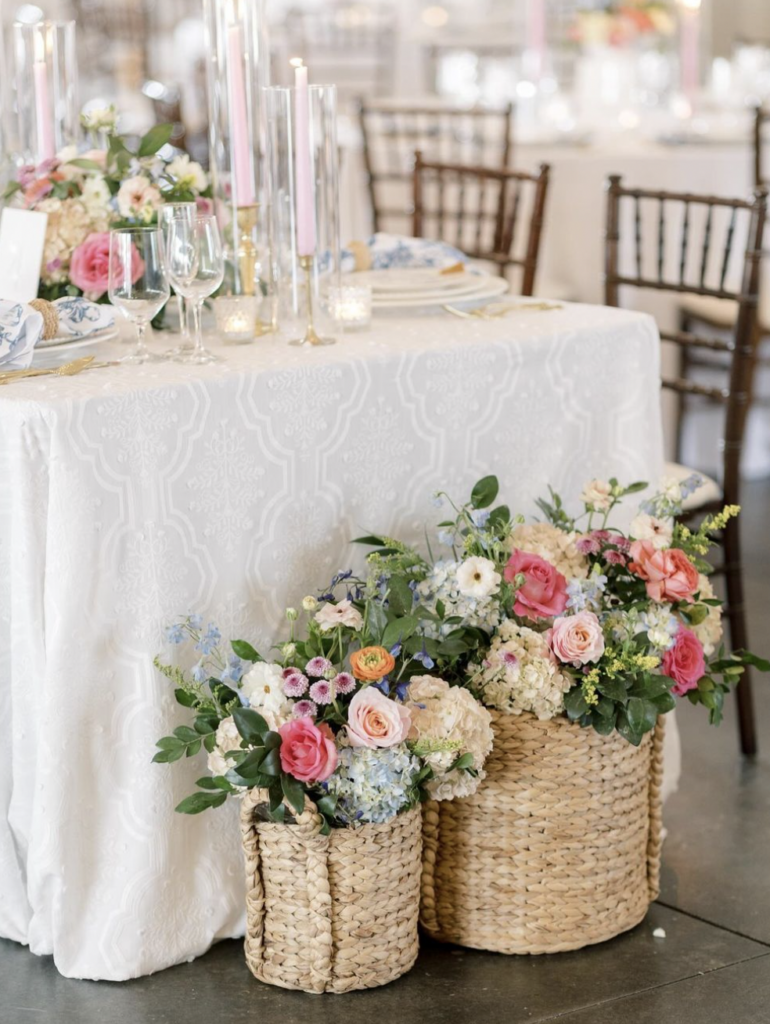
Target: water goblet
x: 196, y: 266
x: 170, y: 212
x: 138, y: 285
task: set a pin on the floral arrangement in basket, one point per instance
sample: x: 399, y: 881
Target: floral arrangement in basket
x: 571, y: 616
x: 620, y: 24
x: 84, y: 195
x: 345, y: 713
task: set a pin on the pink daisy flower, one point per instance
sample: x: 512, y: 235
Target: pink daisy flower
x: 602, y: 536
x: 318, y: 667
x: 344, y: 683
x: 295, y: 685
x: 615, y: 557
x: 587, y: 545
x: 321, y: 692
x: 304, y: 709
x: 622, y: 543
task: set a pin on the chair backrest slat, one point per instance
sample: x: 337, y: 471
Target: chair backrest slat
x: 392, y: 132
x: 488, y: 225
x: 746, y: 220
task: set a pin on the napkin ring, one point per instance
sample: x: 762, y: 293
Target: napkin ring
x: 362, y: 255
x: 50, y: 317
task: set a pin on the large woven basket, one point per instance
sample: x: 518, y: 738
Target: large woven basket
x: 558, y: 849
x: 330, y: 913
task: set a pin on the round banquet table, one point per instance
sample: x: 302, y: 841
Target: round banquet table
x: 133, y: 494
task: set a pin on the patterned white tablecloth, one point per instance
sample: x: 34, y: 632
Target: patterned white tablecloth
x: 128, y: 495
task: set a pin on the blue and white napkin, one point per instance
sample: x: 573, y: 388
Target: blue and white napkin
x: 388, y: 251
x: 78, y: 317
x: 21, y: 327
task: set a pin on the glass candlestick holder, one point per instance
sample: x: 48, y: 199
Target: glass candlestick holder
x: 46, y: 84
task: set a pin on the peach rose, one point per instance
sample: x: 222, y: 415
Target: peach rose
x: 668, y: 574
x: 371, y: 663
x: 375, y: 720
x: 577, y: 639
x: 307, y: 750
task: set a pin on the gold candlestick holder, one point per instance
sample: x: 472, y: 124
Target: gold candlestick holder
x: 311, y: 337
x: 247, y: 258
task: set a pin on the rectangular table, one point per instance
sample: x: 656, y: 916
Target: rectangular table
x: 132, y: 494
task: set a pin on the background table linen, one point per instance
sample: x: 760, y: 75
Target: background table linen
x: 132, y: 495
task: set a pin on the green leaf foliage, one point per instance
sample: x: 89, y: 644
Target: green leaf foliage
x: 244, y: 650
x: 399, y: 630
x: 201, y: 802
x: 155, y: 139
x: 250, y: 725
x: 293, y: 791
x: 485, y: 492
x: 400, y: 596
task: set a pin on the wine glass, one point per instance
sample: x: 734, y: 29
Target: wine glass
x: 138, y: 285
x: 168, y: 213
x: 196, y: 267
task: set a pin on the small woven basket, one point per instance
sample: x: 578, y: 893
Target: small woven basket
x: 330, y: 913
x: 558, y: 849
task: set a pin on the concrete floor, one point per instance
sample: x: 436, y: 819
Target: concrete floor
x: 713, y: 967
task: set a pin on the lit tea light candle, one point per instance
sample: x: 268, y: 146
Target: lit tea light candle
x: 236, y: 317
x: 351, y: 305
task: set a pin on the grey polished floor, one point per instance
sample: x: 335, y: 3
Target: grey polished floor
x: 712, y: 967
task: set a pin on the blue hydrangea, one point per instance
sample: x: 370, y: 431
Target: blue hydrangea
x: 373, y: 785
x: 586, y: 594
x: 480, y: 517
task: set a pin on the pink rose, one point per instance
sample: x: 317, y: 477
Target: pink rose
x: 375, y: 720
x: 684, y: 662
x: 90, y: 265
x: 544, y: 593
x: 205, y: 207
x: 669, y: 574
x: 577, y: 639
x: 307, y: 750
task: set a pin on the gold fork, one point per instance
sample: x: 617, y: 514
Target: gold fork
x: 67, y: 370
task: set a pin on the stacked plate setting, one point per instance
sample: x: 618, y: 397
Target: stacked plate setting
x: 420, y: 287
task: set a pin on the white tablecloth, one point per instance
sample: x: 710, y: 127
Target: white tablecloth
x: 130, y: 495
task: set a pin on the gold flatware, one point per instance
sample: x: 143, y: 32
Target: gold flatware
x: 496, y: 310
x: 67, y: 370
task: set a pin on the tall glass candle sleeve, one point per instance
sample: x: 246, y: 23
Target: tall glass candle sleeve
x: 304, y: 212
x: 46, y: 86
x: 238, y: 72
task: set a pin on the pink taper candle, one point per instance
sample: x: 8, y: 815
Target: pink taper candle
x: 689, y: 46
x: 306, y: 240
x: 536, y: 34
x: 43, y: 115
x: 239, y: 128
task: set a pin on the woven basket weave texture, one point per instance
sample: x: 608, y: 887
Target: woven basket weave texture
x: 558, y: 849
x: 330, y: 913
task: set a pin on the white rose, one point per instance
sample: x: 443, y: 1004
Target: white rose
x: 476, y: 577
x: 187, y: 173
x: 228, y: 738
x: 659, y: 531
x: 709, y: 632
x: 341, y: 614
x: 671, y: 488
x: 138, y: 198
x: 597, y: 494
x: 309, y: 603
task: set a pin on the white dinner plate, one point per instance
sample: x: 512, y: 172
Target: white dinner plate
x: 69, y: 341
x: 488, y: 288
x: 408, y: 280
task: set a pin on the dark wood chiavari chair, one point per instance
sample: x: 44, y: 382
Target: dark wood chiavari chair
x: 740, y: 349
x: 391, y: 134
x: 487, y: 215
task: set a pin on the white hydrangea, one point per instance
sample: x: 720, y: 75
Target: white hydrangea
x: 447, y: 721
x: 263, y: 687
x: 520, y: 674
x: 709, y: 632
x: 442, y: 585
x: 660, y: 625
x: 554, y: 545
x: 228, y: 738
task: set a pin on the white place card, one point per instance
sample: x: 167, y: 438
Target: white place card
x: 22, y: 241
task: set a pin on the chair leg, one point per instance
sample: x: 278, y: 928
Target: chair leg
x: 736, y: 614
x: 684, y: 368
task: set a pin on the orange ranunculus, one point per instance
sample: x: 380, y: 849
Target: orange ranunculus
x: 371, y: 663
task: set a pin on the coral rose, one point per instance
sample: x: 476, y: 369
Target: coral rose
x: 307, y: 750
x: 90, y: 265
x: 544, y: 593
x: 577, y: 639
x: 669, y: 574
x: 375, y: 720
x: 371, y: 663
x: 684, y: 662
